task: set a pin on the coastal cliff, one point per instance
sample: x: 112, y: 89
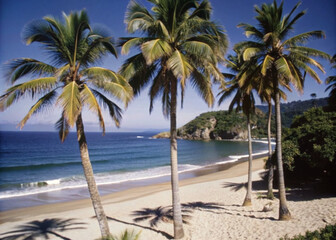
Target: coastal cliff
x: 220, y: 125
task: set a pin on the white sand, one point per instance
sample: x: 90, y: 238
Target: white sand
x: 227, y: 220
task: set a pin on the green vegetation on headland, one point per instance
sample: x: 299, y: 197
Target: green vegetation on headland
x: 309, y: 148
x: 218, y: 125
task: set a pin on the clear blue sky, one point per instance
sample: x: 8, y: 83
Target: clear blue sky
x: 14, y: 14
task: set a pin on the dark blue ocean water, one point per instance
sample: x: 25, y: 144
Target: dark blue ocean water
x: 37, y: 162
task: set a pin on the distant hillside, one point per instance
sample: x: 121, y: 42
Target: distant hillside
x: 292, y: 109
x: 221, y: 125
x: 224, y: 125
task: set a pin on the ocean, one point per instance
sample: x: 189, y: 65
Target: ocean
x: 36, y: 168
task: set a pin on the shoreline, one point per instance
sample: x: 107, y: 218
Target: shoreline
x: 205, y: 174
x: 81, y: 192
x: 214, y: 199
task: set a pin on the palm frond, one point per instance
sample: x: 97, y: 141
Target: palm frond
x: 250, y: 52
x: 309, y: 52
x: 155, y: 49
x: 114, y: 111
x: 20, y: 67
x: 138, y: 18
x: 303, y: 38
x: 202, y: 84
x: 96, y: 50
x: 179, y: 66
x: 267, y: 63
x: 70, y: 101
x: 88, y: 98
x: 63, y: 127
x: 136, y: 71
x: 111, y: 82
x: 128, y: 43
x: 33, y: 87
x: 43, y: 102
x: 283, y: 68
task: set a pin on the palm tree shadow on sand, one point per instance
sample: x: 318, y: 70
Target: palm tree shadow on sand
x: 204, y: 206
x: 42, y: 229
x: 155, y: 216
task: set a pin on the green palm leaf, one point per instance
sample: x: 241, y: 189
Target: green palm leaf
x: 63, y: 127
x: 22, y: 66
x: 70, y: 101
x: 283, y: 68
x: 128, y: 43
x: 303, y: 38
x: 179, y: 66
x: 89, y: 99
x: 114, y: 111
x: 155, y: 49
x: 33, y: 87
x: 267, y: 63
x: 250, y: 52
x: 110, y: 82
x: 43, y: 102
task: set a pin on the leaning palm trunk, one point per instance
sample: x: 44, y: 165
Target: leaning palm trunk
x: 88, y: 172
x: 178, y: 227
x: 284, y: 213
x: 248, y: 199
x: 270, y: 194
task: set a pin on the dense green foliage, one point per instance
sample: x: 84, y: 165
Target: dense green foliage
x: 228, y: 122
x: 295, y: 108
x: 327, y: 233
x: 310, y: 146
x: 331, y: 81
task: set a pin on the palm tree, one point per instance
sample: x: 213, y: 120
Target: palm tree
x: 284, y: 60
x: 71, y: 81
x: 244, y: 100
x: 178, y: 43
x: 331, y: 80
x: 266, y: 95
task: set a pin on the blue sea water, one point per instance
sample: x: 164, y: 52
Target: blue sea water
x: 37, y: 162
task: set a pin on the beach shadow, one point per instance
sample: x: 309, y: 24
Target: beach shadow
x: 256, y: 185
x: 166, y: 235
x: 47, y: 227
x: 204, y: 206
x: 159, y: 214
x: 235, y: 186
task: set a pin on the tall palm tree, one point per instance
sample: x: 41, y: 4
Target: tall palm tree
x: 71, y: 81
x: 266, y: 94
x: 284, y: 60
x: 179, y: 43
x: 331, y: 80
x: 244, y: 100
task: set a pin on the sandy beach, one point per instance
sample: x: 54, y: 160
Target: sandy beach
x: 214, y: 202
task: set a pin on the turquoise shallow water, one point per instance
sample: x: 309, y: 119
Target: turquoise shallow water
x: 35, y: 163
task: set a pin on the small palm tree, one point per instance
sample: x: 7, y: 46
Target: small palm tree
x: 71, y: 82
x: 126, y: 235
x: 179, y: 43
x: 331, y: 80
x: 244, y: 100
x: 284, y: 60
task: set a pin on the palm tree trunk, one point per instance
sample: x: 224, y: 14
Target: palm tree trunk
x: 284, y: 213
x: 248, y: 199
x: 270, y: 194
x: 178, y: 227
x: 88, y: 172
